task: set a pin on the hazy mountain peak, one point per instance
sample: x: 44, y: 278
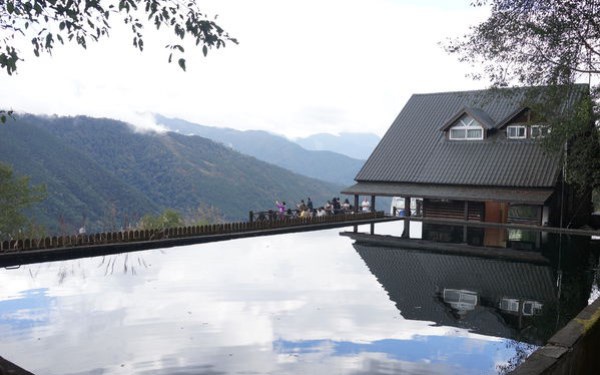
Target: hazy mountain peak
x: 355, y: 145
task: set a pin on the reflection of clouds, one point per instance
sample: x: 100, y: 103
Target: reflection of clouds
x: 213, y: 307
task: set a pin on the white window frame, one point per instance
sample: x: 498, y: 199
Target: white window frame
x: 531, y: 308
x: 460, y: 299
x: 509, y: 304
x: 524, y: 136
x: 466, y: 123
x: 540, y: 127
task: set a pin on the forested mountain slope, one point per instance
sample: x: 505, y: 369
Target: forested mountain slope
x: 275, y: 149
x: 102, y: 170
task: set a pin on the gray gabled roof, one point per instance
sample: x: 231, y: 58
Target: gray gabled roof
x: 480, y: 116
x: 415, y: 150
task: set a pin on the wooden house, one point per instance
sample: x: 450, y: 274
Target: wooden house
x: 472, y: 155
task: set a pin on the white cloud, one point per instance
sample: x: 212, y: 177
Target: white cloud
x: 300, y: 68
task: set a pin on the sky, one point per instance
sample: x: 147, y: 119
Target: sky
x: 300, y: 68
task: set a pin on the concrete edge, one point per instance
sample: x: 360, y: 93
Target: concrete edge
x: 558, y: 351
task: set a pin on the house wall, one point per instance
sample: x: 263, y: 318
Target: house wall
x: 445, y: 209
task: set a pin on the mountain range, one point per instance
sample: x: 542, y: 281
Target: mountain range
x: 321, y: 164
x: 356, y: 145
x: 101, y: 173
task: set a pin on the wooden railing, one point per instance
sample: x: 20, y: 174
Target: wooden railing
x: 142, y: 235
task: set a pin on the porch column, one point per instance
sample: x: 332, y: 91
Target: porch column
x: 356, y: 203
x: 372, y: 203
x: 538, y: 237
x: 466, y: 218
x: 406, y: 230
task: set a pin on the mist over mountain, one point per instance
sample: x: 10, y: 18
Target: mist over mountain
x: 323, y: 165
x: 101, y: 172
x: 354, y: 145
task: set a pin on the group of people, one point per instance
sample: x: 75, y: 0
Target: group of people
x: 307, y: 209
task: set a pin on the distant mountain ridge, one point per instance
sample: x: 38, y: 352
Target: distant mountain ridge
x: 323, y: 165
x: 100, y: 171
x: 355, y: 145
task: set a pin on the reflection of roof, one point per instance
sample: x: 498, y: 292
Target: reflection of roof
x: 415, y: 150
x: 414, y: 280
x: 473, y: 193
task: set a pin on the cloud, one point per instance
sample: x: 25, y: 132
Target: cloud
x: 300, y: 68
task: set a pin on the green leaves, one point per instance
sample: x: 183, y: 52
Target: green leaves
x: 84, y: 21
x: 10, y: 7
x: 8, y: 60
x: 4, y: 115
x: 16, y: 195
x: 551, y: 44
x: 168, y: 219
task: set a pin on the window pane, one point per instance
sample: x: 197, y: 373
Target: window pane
x: 466, y: 120
x: 516, y: 132
x: 469, y: 298
x: 457, y: 133
x: 451, y: 296
x: 539, y: 131
x: 474, y: 133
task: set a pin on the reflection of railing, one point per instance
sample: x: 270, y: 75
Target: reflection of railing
x: 149, y: 235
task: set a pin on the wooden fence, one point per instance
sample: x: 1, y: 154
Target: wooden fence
x: 145, y: 235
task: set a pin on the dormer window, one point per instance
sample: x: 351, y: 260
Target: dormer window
x: 539, y: 131
x: 516, y: 132
x: 466, y: 128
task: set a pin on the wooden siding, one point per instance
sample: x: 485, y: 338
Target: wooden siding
x: 452, y: 210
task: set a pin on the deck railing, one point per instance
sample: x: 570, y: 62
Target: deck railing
x: 143, y: 235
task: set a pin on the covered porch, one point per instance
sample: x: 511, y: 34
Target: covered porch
x: 475, y: 204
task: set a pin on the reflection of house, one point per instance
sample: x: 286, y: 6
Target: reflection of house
x: 472, y: 156
x: 487, y: 296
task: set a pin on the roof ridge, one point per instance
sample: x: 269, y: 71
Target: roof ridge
x: 490, y: 89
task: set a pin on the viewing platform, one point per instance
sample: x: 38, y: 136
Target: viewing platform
x: 25, y: 251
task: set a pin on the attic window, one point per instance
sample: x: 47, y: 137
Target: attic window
x: 516, y: 132
x: 466, y: 128
x: 539, y: 131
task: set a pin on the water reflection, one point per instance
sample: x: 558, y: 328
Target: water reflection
x: 290, y: 304
x: 486, y: 296
x: 455, y: 278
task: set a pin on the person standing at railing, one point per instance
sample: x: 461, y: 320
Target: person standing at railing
x: 281, y: 208
x: 366, y: 205
x: 301, y: 206
x: 346, y: 206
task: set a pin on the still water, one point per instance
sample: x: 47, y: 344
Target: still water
x: 305, y: 303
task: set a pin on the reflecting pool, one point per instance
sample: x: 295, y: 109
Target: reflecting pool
x: 304, y: 303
